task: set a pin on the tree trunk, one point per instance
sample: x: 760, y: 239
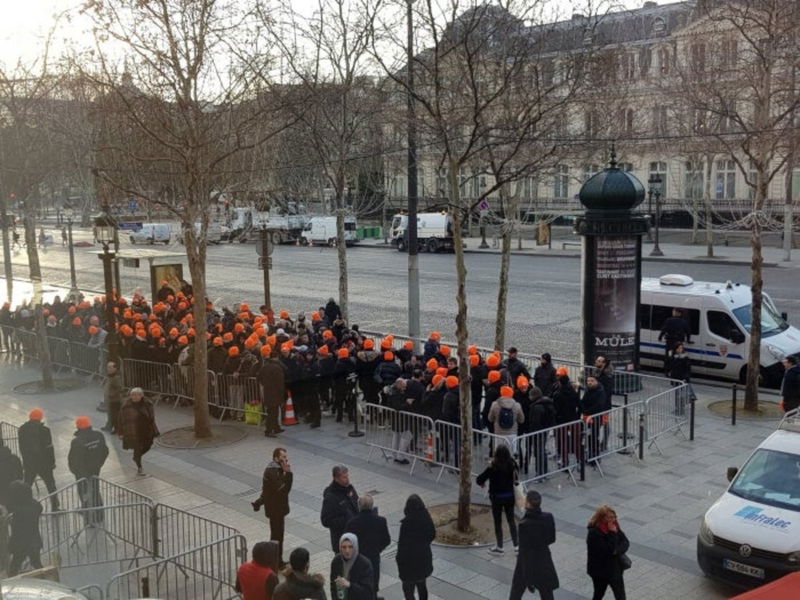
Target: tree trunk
x: 36, y: 280
x: 709, y: 216
x: 694, y: 222
x: 196, y: 255
x: 465, y: 462
x: 8, y: 270
x: 502, y: 288
x: 788, y: 216
x: 341, y: 253
x: 756, y: 285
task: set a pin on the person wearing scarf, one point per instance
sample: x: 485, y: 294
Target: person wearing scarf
x: 351, y: 573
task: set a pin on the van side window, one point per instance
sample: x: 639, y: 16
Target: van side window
x: 721, y: 324
x: 662, y: 313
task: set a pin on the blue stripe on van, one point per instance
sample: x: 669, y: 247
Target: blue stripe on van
x: 691, y: 350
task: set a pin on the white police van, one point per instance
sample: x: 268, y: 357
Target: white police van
x: 752, y: 533
x: 719, y: 319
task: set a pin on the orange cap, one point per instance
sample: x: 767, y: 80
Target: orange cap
x: 173, y: 332
x: 388, y: 355
x: 562, y: 370
x: 506, y: 391
x: 244, y: 307
x: 522, y: 382
x: 233, y: 351
x: 284, y: 314
x: 441, y: 371
x: 474, y: 360
x: 451, y: 381
x: 227, y: 337
x: 492, y: 360
x: 183, y: 340
x: 435, y: 335
x: 323, y: 350
x: 83, y: 422
x: 217, y: 341
x: 93, y: 330
x: 76, y: 321
x: 238, y: 328
x: 493, y: 376
x: 286, y: 346
x: 315, y: 316
x: 343, y: 353
x: 327, y: 334
x: 250, y: 343
x: 266, y: 350
x: 444, y: 350
x: 386, y: 343
x: 432, y: 364
x: 408, y: 345
x: 436, y: 379
x: 36, y: 414
x: 472, y: 349
x: 71, y: 310
x: 369, y: 344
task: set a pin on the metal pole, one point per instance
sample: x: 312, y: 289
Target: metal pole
x: 582, y: 442
x: 483, y: 234
x: 413, y: 250
x: 692, y: 401
x: 111, y: 331
x: 656, y: 251
x: 117, y: 281
x: 73, y: 279
x: 265, y: 259
x: 6, y: 251
x: 641, y: 436
x: 733, y: 405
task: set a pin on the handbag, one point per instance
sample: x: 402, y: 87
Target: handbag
x: 624, y: 561
x: 519, y: 496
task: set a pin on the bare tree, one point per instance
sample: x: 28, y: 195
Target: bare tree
x: 738, y: 81
x: 174, y: 123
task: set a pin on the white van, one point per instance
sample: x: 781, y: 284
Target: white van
x: 322, y: 230
x: 213, y: 232
x: 150, y: 233
x: 752, y: 533
x: 434, y: 231
x: 719, y: 318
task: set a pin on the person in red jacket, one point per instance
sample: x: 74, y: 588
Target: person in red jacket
x: 258, y: 578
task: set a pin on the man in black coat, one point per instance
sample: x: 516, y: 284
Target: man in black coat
x: 675, y: 329
x: 790, y: 388
x: 275, y: 487
x: 515, y: 366
x: 10, y: 470
x: 339, y: 504
x: 87, y: 455
x: 544, y: 377
x: 372, y: 533
x: 38, y: 456
x: 592, y: 404
x: 535, y: 569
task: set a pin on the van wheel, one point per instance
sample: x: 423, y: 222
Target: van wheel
x: 432, y: 246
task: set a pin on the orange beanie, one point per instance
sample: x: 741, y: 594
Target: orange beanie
x: 83, y: 422
x: 451, y: 381
x: 36, y: 414
x: 506, y: 391
x: 343, y: 353
x: 494, y: 376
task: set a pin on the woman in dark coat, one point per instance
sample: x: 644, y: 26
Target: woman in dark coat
x: 137, y: 425
x: 351, y: 572
x: 501, y: 473
x: 414, y: 556
x: 605, y: 543
x: 25, y: 540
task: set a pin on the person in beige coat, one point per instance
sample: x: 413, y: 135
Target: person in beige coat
x: 506, y: 413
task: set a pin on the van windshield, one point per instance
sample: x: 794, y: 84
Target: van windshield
x: 771, y: 321
x: 770, y: 477
x: 349, y: 226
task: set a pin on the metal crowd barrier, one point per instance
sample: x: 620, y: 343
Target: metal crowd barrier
x: 153, y: 377
x: 86, y: 359
x: 207, y: 572
x: 555, y: 450
x: 233, y: 392
x: 613, y: 431
x: 667, y: 412
x: 9, y: 437
x: 27, y: 342
x: 400, y: 435
x: 177, y: 529
x: 59, y: 352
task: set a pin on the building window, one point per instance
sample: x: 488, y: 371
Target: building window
x: 645, y: 61
x: 547, y: 71
x: 698, y: 52
x: 699, y: 119
x: 752, y: 175
x: 694, y: 180
x: 628, y: 67
x: 592, y: 122
x: 728, y: 54
x: 660, y: 121
x: 663, y: 61
x: 561, y: 182
x: 527, y: 188
x: 626, y: 166
x: 589, y: 170
x: 421, y: 182
x: 660, y: 168
x: 725, y: 188
x: 442, y: 185
x: 659, y: 26
x: 626, y: 119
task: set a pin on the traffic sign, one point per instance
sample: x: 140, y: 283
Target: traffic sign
x: 270, y: 246
x: 261, y: 263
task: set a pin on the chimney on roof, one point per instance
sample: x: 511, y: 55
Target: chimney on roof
x: 647, y: 5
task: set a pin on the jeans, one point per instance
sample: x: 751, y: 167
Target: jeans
x: 499, y: 506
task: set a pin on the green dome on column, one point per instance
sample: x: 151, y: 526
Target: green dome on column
x: 612, y: 189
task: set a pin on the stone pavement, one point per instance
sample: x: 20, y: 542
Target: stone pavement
x: 660, y: 501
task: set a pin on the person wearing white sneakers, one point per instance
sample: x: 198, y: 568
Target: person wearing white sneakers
x: 502, y: 474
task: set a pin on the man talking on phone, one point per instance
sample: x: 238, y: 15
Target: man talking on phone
x: 275, y: 487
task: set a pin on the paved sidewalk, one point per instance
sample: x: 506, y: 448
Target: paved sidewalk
x: 673, y: 252
x: 660, y: 501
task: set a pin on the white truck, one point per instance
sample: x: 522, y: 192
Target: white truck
x: 434, y: 231
x: 245, y: 222
x: 322, y: 230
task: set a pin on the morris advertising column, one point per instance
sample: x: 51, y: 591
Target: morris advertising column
x: 611, y: 266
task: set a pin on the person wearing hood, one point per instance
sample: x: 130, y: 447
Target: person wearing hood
x: 36, y: 450
x: 25, y: 540
x: 275, y: 487
x: 257, y: 578
x: 10, y: 471
x: 339, y: 504
x: 535, y: 569
x: 87, y: 455
x: 414, y: 557
x: 541, y: 417
x: 372, y: 533
x: 299, y: 584
x: 351, y: 572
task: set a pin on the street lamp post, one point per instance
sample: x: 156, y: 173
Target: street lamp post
x: 105, y: 232
x: 73, y: 280
x: 654, y: 189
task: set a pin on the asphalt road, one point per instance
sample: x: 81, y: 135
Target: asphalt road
x: 543, y: 303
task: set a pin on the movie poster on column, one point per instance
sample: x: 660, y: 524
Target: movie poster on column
x: 616, y: 297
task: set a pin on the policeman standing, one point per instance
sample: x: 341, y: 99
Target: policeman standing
x: 675, y: 330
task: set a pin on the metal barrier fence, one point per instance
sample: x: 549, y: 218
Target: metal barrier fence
x: 177, y: 529
x: 207, y: 572
x: 551, y: 451
x: 59, y: 352
x: 9, y: 437
x: 233, y: 392
x: 86, y: 359
x: 667, y: 412
x: 402, y: 436
x: 153, y: 377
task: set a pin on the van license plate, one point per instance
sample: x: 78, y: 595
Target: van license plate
x: 743, y: 569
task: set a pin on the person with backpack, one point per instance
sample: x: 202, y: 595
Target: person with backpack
x: 502, y: 476
x: 541, y: 417
x: 505, y: 414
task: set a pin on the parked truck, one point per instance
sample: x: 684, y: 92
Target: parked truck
x: 434, y: 232
x: 322, y: 230
x: 245, y: 222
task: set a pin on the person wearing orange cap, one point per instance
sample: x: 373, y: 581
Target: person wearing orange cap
x: 343, y: 388
x: 544, y: 376
x: 36, y: 452
x: 217, y: 355
x: 451, y: 414
x: 505, y: 413
x: 367, y: 361
x: 540, y: 417
x: 477, y: 373
x: 137, y: 422
x: 388, y: 370
x: 431, y: 348
x: 87, y: 455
